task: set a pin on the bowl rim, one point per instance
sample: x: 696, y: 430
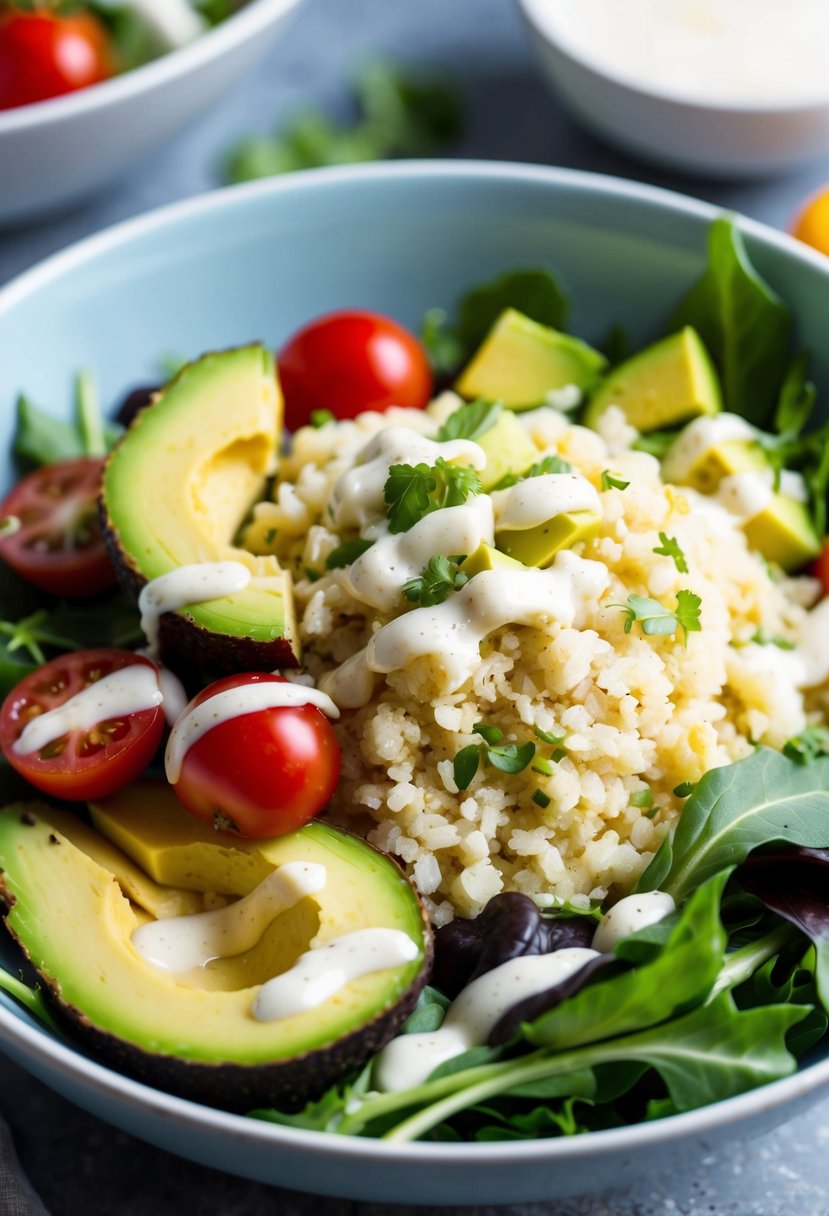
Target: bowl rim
x: 243, y: 26
x: 558, y: 41
x: 37, y: 1046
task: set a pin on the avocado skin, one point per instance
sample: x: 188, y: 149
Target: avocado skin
x: 179, y: 635
x: 286, y: 1084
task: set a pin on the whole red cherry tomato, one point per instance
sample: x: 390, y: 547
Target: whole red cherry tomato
x: 43, y: 55
x: 86, y: 759
x: 347, y: 362
x: 259, y: 773
x: 57, y: 543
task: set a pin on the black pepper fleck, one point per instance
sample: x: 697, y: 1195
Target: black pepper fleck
x: 53, y: 839
x: 29, y: 818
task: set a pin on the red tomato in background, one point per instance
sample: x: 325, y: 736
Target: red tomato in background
x: 58, y: 546
x: 347, y: 362
x: 42, y: 56
x: 820, y: 568
x: 263, y: 773
x: 80, y: 764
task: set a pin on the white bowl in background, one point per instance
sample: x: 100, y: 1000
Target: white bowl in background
x: 721, y: 138
x: 55, y: 152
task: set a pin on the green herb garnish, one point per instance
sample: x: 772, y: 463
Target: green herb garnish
x: 438, y: 579
x: 548, y: 464
x: 347, y: 552
x: 656, y: 619
x: 507, y: 757
x: 471, y: 420
x: 413, y: 491
x: 670, y: 548
x: 612, y: 481
x: 809, y: 745
x: 320, y: 418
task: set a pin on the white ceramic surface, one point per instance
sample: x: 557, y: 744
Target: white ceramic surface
x: 58, y: 151
x: 256, y: 262
x: 718, y: 140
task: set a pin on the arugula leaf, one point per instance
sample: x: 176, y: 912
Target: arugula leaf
x: 347, y: 552
x: 796, y: 402
x: 808, y: 745
x: 428, y: 1013
x: 439, y: 578
x: 670, y: 548
x: 612, y: 481
x: 412, y: 491
x: 764, y: 799
x: 31, y: 998
x: 743, y: 323
x: 443, y: 346
x: 403, y: 112
x: 41, y: 439
x: 470, y: 420
x: 655, y: 618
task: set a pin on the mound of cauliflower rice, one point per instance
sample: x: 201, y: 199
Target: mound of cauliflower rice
x: 638, y: 716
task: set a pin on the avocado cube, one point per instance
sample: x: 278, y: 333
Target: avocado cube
x: 487, y: 558
x: 662, y: 386
x: 783, y: 533
x: 721, y: 460
x: 520, y: 361
x: 508, y: 449
x: 538, y: 546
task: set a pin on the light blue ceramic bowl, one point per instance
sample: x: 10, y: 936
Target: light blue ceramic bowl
x: 255, y: 262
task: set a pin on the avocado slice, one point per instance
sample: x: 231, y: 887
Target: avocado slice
x: 662, y: 386
x: 783, y: 533
x: 538, y: 546
x: 194, y: 1033
x: 176, y: 490
x: 487, y: 558
x: 719, y: 461
x: 508, y: 449
x: 520, y: 361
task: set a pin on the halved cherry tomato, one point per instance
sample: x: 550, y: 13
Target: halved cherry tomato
x: 58, y: 545
x: 262, y: 773
x: 347, y: 362
x: 43, y: 56
x: 80, y: 764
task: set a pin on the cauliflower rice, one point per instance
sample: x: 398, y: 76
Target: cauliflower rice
x: 639, y: 715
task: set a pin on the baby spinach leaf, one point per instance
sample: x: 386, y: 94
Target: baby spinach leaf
x: 681, y: 975
x: 743, y: 323
x: 764, y: 799
x: 794, y: 883
x: 470, y: 420
x: 535, y: 293
x: 347, y: 552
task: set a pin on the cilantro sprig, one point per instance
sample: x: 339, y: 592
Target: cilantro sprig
x: 658, y: 620
x: 438, y: 579
x: 548, y: 464
x: 670, y: 547
x: 413, y: 491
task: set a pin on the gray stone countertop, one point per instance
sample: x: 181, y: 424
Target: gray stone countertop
x: 79, y: 1165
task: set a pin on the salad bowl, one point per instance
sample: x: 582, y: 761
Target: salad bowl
x: 256, y: 262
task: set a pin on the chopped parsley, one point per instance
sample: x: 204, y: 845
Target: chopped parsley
x: 311, y: 574
x: 412, y: 491
x: 670, y: 548
x: 761, y: 638
x: 347, y: 552
x: 656, y: 619
x: 438, y: 579
x: 642, y: 798
x: 612, y: 481
x: 541, y: 799
x: 470, y: 420
x: 321, y: 417
x: 549, y: 464
x: 809, y: 745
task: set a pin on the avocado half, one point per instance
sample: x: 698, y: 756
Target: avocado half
x: 177, y: 488
x: 72, y: 912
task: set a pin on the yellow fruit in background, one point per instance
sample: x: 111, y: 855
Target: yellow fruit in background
x: 811, y: 225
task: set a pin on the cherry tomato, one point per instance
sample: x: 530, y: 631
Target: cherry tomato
x: 811, y: 225
x: 348, y: 362
x: 262, y: 773
x: 42, y: 56
x: 79, y: 764
x: 58, y: 545
x: 820, y: 568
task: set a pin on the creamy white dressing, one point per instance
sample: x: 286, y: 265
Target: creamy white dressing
x: 629, y: 915
x: 378, y: 575
x: 352, y: 684
x: 173, y: 692
x: 233, y: 703
x: 698, y: 438
x: 745, y: 495
x: 538, y: 499
x: 127, y: 691
x: 728, y: 51
x: 174, y: 22
x: 452, y: 632
x: 182, y: 943
x: 192, y: 584
x: 409, y: 1059
x: 813, y: 645
x: 323, y: 971
x: 357, y: 499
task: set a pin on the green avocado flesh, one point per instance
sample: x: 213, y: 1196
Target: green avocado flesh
x: 665, y: 384
x: 180, y: 483
x: 71, y: 913
x: 520, y: 361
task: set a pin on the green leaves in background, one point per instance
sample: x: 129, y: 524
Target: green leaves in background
x: 42, y: 439
x: 743, y: 323
x: 403, y: 112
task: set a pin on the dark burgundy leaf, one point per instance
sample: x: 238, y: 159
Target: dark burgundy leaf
x: 792, y: 882
x: 134, y: 402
